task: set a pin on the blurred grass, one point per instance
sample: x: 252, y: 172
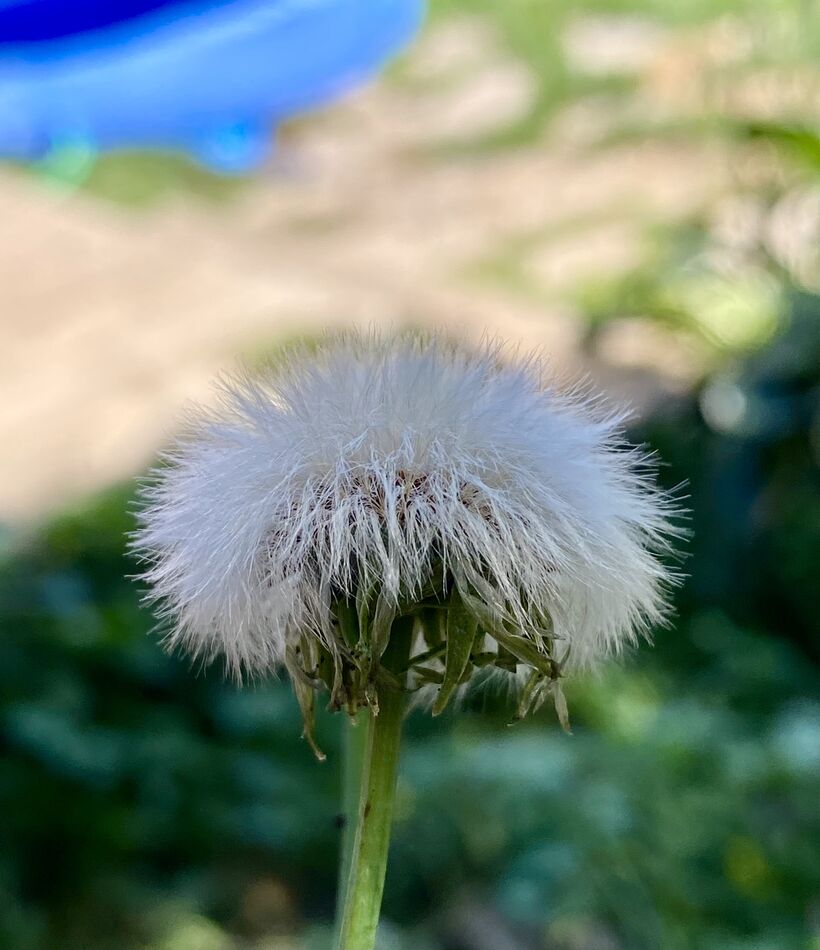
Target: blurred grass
x: 534, y: 31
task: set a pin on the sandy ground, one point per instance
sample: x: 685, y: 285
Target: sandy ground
x: 111, y: 320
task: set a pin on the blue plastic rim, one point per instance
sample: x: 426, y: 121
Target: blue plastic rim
x: 210, y: 77
x: 24, y: 22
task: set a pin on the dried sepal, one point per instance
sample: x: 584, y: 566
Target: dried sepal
x: 305, y: 686
x: 561, y: 709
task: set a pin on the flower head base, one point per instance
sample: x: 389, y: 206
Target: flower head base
x: 405, y: 488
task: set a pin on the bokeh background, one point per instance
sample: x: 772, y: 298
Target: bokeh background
x: 632, y: 186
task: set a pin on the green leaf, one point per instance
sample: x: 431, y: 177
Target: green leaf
x: 433, y: 626
x: 374, y: 629
x: 348, y: 623
x: 363, y: 596
x: 506, y: 660
x: 522, y: 647
x: 428, y: 675
x: 526, y: 651
x: 461, y: 634
x: 383, y: 617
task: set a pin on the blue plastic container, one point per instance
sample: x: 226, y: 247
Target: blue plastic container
x: 210, y: 77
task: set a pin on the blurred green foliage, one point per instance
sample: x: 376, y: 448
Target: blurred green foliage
x: 147, y: 804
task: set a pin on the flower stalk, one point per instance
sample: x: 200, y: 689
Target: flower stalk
x: 374, y: 752
x: 354, y: 742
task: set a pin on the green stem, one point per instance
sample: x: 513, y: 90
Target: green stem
x: 362, y: 893
x: 354, y: 742
x: 364, y: 861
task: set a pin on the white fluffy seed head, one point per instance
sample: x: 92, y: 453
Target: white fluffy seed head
x: 388, y: 465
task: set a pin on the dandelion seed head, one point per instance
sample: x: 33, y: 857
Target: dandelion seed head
x: 398, y: 470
